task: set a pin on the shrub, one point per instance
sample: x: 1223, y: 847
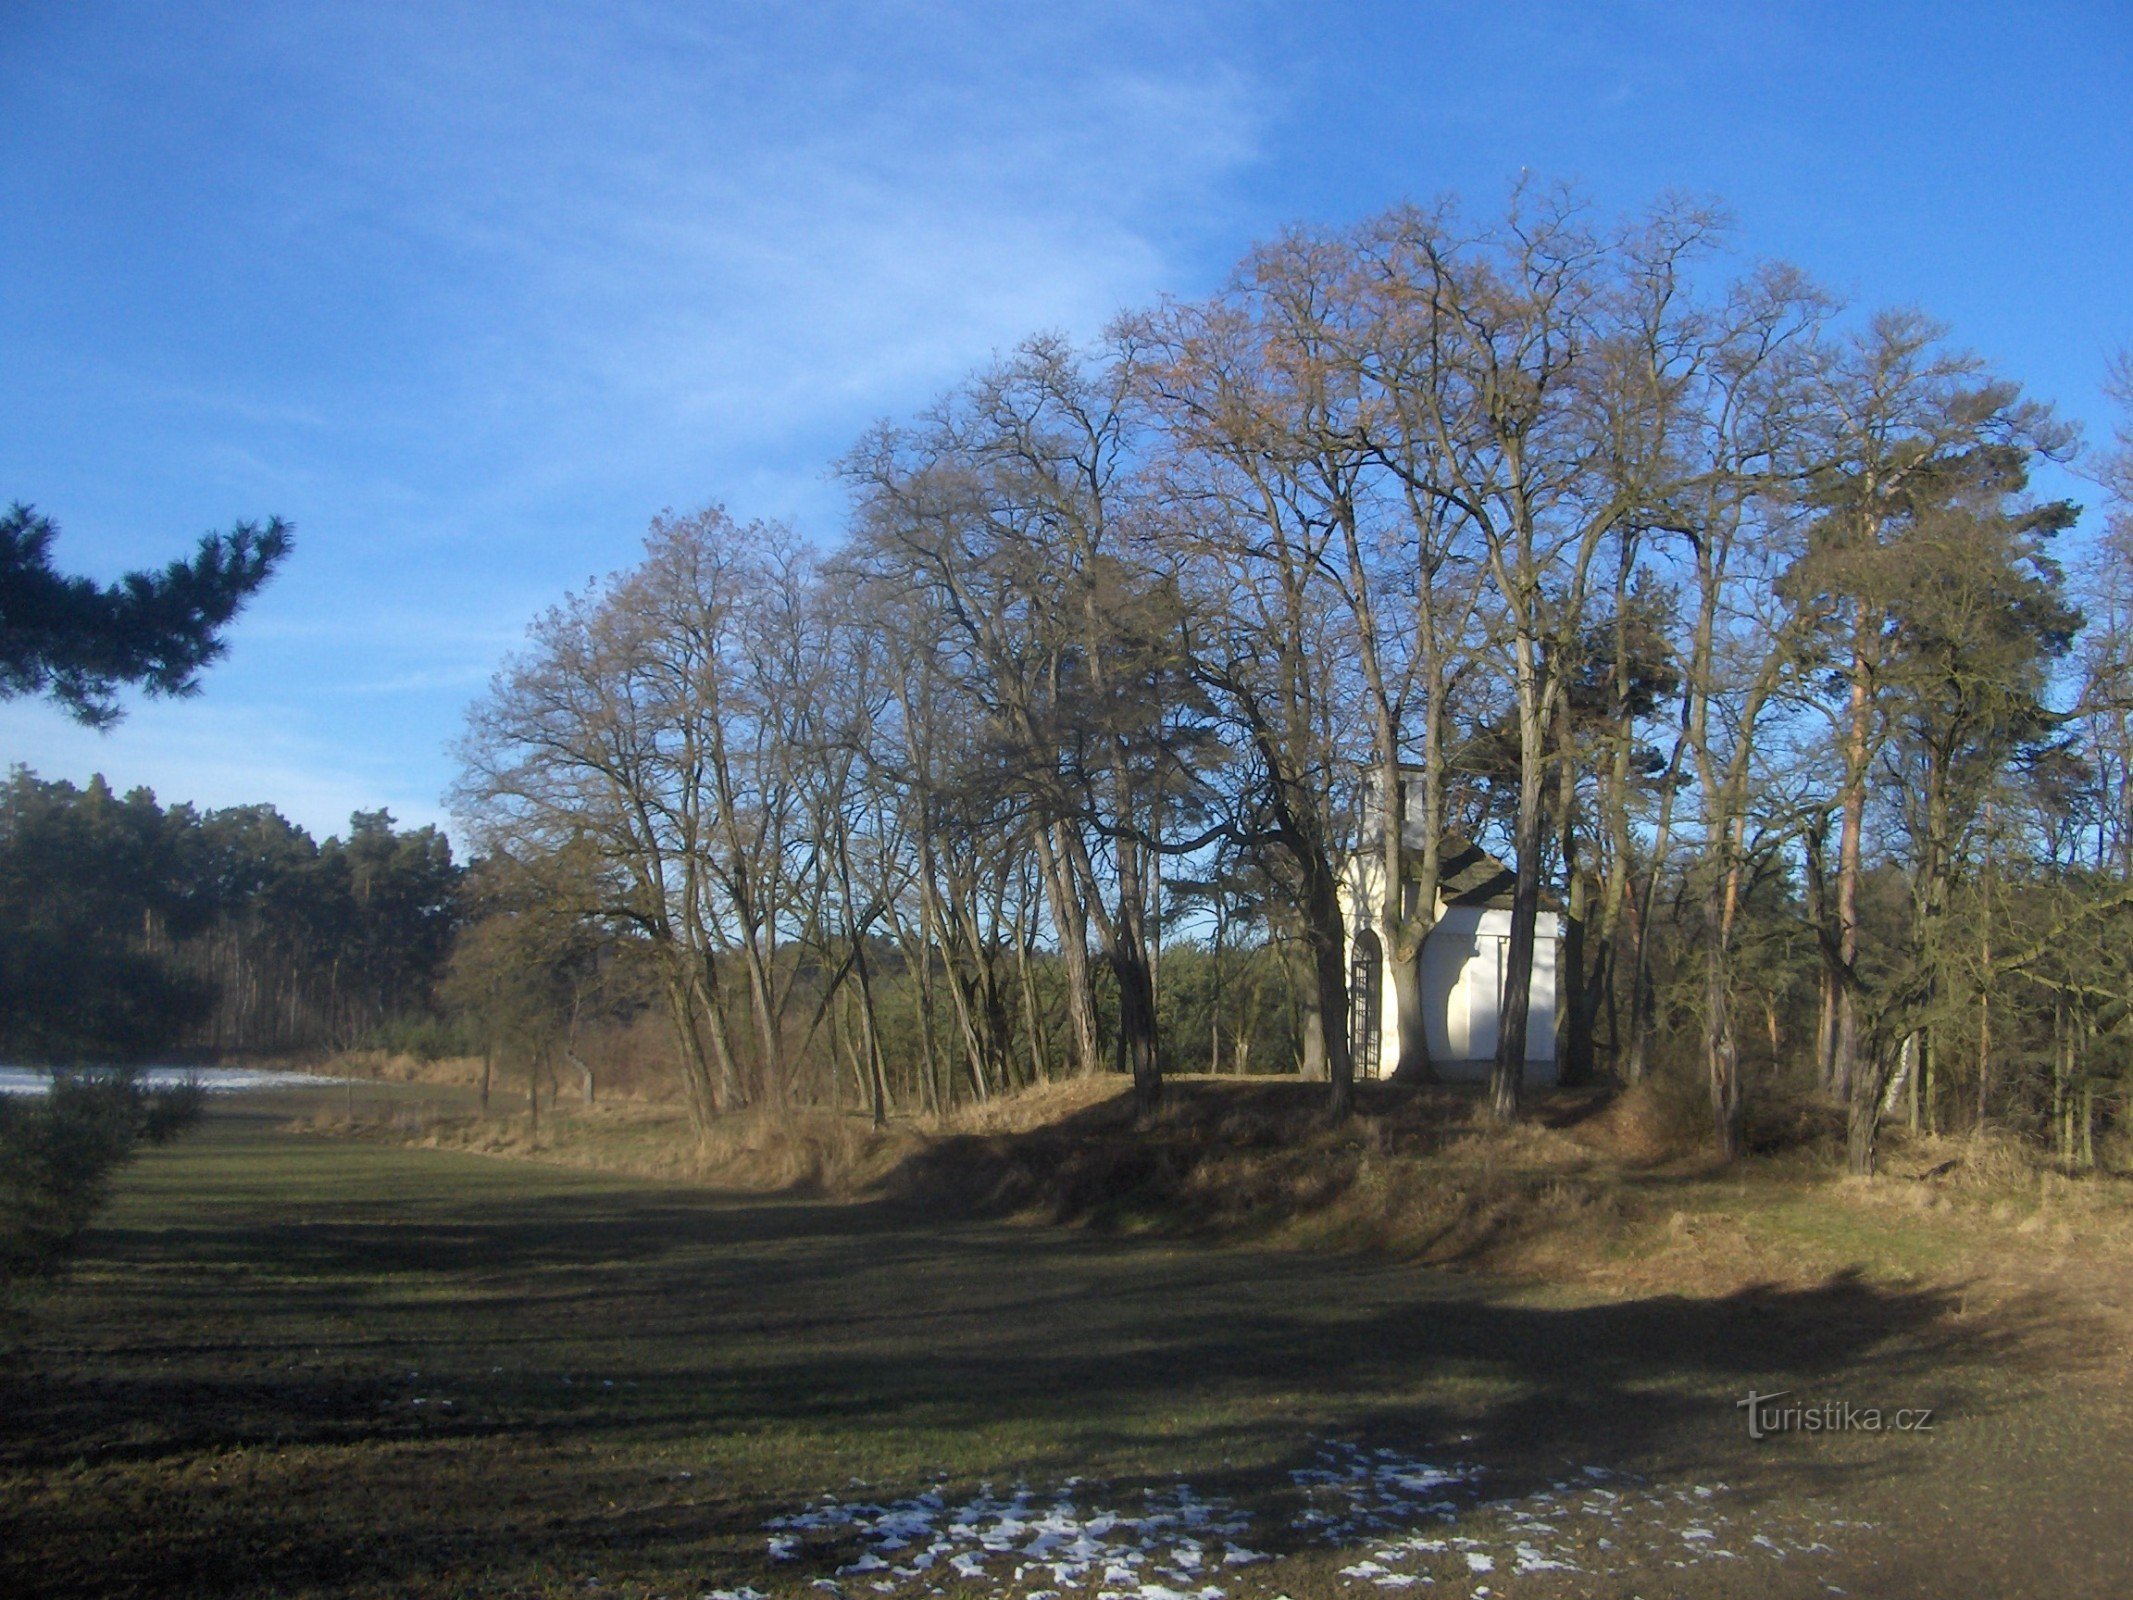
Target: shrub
x: 426, y: 1038
x: 59, y: 1153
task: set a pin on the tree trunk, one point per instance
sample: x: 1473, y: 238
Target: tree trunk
x: 1507, y: 1077
x: 1863, y: 1120
x: 1123, y: 938
x: 756, y: 963
x: 1846, y: 1065
x: 1721, y: 1049
x: 1136, y: 1025
x: 870, y: 1034
x: 1312, y: 1068
x: 1574, y: 1050
x: 918, y: 961
x: 699, y: 1090
x: 1573, y: 1047
x: 1643, y: 1000
x: 1984, y: 1031
x: 1407, y: 999
x: 1923, y: 1086
x: 1040, y: 1055
x: 1826, y: 1028
x: 1072, y: 927
x: 1325, y: 937
x: 1906, y: 1079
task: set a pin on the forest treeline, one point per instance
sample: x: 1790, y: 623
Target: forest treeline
x: 1725, y: 614
x: 133, y: 929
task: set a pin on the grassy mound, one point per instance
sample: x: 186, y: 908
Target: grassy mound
x: 1614, y: 1189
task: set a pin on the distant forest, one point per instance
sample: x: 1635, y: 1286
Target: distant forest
x: 133, y: 930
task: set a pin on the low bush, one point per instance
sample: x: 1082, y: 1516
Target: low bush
x: 59, y: 1153
x: 425, y: 1037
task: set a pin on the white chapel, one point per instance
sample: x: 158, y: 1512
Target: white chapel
x: 1462, y: 964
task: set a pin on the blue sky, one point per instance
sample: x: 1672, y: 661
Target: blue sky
x: 470, y: 291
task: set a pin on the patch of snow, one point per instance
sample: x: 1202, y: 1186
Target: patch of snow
x: 1529, y: 1559
x: 1375, y: 1502
x: 211, y: 1080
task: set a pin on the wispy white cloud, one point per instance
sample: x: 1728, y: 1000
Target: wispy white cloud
x: 732, y: 236
x: 514, y: 277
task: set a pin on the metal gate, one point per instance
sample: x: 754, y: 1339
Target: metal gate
x: 1366, y: 1001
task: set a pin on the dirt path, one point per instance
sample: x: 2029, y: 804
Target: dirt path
x: 295, y: 1366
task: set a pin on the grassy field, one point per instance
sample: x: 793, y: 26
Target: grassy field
x: 293, y: 1365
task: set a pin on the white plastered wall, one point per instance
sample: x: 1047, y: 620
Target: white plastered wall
x: 1462, y: 992
x: 1462, y: 988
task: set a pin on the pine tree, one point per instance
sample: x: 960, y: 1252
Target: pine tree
x: 78, y: 642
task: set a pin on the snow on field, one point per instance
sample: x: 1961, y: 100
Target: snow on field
x: 1595, y: 1522
x: 1355, y: 1491
x: 215, y: 1080
x: 1029, y: 1544
x: 1410, y: 1523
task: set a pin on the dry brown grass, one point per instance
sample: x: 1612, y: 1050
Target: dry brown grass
x: 1417, y: 1175
x: 388, y: 1066
x: 1616, y: 1190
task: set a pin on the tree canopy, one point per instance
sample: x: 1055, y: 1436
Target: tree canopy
x: 1725, y: 614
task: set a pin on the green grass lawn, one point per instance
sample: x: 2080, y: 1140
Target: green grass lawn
x: 298, y: 1365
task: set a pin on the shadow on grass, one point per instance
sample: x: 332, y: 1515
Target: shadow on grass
x: 588, y: 1341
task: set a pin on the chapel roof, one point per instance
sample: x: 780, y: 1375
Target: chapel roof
x: 1468, y: 875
